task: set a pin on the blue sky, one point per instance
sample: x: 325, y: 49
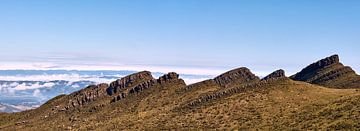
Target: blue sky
x: 223, y: 34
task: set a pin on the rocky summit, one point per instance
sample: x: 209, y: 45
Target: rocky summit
x: 235, y: 100
x: 276, y: 74
x: 236, y: 77
x: 329, y: 72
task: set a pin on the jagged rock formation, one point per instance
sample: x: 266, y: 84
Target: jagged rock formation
x: 329, y: 72
x: 275, y: 74
x: 310, y: 71
x: 233, y: 78
x: 128, y: 81
x: 89, y: 94
x: 119, y: 89
x: 236, y: 77
x: 172, y: 76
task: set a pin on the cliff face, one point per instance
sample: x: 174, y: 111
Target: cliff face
x: 236, y: 77
x: 121, y: 88
x: 87, y: 95
x: 162, y: 81
x: 129, y: 81
x: 329, y: 72
x: 312, y: 70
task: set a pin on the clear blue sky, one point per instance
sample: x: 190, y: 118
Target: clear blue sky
x: 259, y: 34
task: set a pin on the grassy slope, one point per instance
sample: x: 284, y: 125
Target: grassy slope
x: 284, y: 104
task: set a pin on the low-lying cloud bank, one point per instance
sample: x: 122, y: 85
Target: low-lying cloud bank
x: 111, y: 67
x: 65, y: 77
x: 26, y: 89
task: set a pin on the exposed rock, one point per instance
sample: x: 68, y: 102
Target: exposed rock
x: 143, y: 86
x: 129, y: 81
x: 276, y: 74
x: 235, y: 77
x: 310, y: 70
x: 329, y: 72
x: 169, y: 76
x: 87, y: 95
x: 119, y: 89
x: 333, y: 74
x: 172, y: 76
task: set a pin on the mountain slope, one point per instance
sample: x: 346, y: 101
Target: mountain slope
x: 234, y: 100
x: 329, y: 72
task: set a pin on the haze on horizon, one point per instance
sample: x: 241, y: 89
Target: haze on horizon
x: 211, y: 34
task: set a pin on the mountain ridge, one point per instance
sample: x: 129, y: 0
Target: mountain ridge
x: 236, y: 99
x: 329, y: 72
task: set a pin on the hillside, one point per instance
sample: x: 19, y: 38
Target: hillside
x: 329, y: 72
x: 234, y: 100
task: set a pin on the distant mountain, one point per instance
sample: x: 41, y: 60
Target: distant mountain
x: 329, y: 72
x: 234, y: 100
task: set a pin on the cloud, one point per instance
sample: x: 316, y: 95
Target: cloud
x: 2, y: 108
x: 75, y: 86
x: 25, y: 86
x: 37, y: 93
x: 114, y: 67
x: 54, y: 77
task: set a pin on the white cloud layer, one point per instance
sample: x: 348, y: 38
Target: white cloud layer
x: 121, y: 67
x: 53, y: 77
x: 163, y: 69
x: 24, y: 86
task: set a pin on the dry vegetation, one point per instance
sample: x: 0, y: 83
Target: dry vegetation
x: 235, y: 100
x: 282, y: 104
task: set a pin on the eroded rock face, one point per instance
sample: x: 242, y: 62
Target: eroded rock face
x: 121, y: 88
x: 167, y: 78
x: 276, y: 74
x: 90, y: 93
x: 329, y: 72
x: 235, y: 77
x: 128, y: 81
x: 310, y: 70
x: 333, y: 74
x: 94, y: 92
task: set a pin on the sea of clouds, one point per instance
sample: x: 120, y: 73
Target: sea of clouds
x: 26, y: 89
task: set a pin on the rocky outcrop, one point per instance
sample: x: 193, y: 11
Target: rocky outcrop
x: 119, y: 89
x: 276, y: 74
x: 331, y: 75
x: 167, y: 78
x: 329, y: 72
x: 236, y: 77
x: 128, y: 81
x: 94, y: 92
x: 142, y: 86
x: 310, y: 70
x: 90, y: 93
